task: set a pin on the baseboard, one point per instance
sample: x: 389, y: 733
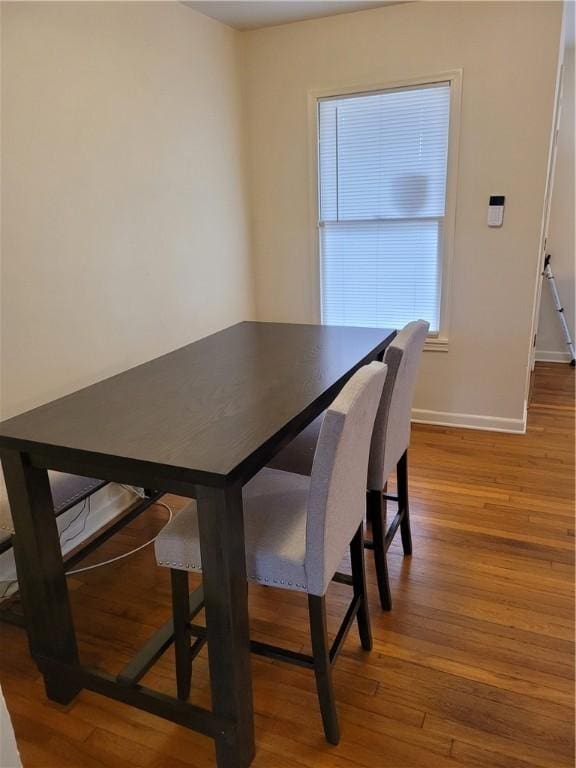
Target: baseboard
x: 551, y: 356
x: 105, y: 505
x: 469, y: 421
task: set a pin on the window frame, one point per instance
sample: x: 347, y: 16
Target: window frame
x: 436, y: 341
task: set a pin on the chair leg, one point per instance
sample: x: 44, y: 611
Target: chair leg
x: 359, y: 585
x: 377, y: 511
x: 181, y: 613
x: 369, y: 512
x: 402, y: 477
x: 322, y: 667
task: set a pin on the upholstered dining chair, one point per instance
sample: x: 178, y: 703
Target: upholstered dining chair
x: 297, y: 530
x: 388, y: 451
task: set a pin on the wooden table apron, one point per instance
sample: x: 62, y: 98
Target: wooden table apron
x: 246, y: 392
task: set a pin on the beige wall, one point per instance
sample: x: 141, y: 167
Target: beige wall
x: 550, y: 344
x: 123, y: 206
x: 125, y: 219
x: 508, y: 53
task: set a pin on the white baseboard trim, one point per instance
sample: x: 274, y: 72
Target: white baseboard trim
x: 469, y: 421
x: 551, y: 356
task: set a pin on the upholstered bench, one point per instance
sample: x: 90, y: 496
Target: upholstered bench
x: 67, y: 490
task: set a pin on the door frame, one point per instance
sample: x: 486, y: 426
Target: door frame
x: 547, y: 204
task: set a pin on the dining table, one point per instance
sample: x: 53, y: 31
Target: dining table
x: 200, y: 422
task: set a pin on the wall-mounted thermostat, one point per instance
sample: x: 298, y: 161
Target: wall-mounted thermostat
x: 496, y: 210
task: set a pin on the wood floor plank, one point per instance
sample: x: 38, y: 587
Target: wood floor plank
x: 474, y: 666
x: 512, y: 747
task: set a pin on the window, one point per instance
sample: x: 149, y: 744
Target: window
x: 383, y: 160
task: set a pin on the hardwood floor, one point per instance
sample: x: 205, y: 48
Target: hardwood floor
x: 474, y: 666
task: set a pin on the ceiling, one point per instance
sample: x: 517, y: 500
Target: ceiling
x: 253, y: 14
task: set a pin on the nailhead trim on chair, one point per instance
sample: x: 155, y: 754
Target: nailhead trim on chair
x: 78, y: 495
x: 194, y: 567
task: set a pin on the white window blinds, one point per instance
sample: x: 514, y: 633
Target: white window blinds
x: 382, y: 193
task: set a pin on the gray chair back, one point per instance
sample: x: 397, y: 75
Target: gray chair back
x: 337, y: 497
x: 391, y: 435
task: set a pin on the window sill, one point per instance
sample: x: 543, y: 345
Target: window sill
x: 434, y: 344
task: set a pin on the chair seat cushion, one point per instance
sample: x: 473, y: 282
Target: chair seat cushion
x: 275, y: 508
x: 298, y: 455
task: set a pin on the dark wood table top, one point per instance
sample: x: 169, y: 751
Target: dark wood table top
x: 211, y: 411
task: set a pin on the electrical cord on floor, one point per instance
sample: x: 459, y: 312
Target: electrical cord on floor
x: 4, y: 596
x: 71, y: 523
x: 85, y: 506
x: 88, y: 500
x: 125, y: 554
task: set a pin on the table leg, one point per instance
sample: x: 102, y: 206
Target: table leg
x: 221, y: 526
x: 40, y: 570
